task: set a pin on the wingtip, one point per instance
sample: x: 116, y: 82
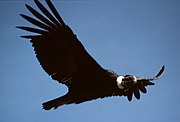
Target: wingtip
x: 160, y: 72
x: 23, y: 16
x: 26, y: 37
x: 163, y: 67
x: 19, y: 27
x: 55, y: 12
x: 27, y: 5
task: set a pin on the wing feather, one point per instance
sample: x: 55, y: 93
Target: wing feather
x: 59, y: 52
x: 40, y: 17
x: 34, y: 30
x: 54, y: 11
x: 35, y: 22
x: 46, y: 12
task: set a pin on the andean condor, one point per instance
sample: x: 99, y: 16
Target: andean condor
x: 65, y: 59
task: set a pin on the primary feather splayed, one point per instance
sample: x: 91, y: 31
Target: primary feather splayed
x: 65, y: 59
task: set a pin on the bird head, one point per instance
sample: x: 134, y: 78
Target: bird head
x: 124, y: 82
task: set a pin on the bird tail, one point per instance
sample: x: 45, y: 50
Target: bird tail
x: 55, y: 103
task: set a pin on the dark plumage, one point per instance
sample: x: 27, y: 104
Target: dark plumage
x: 65, y: 59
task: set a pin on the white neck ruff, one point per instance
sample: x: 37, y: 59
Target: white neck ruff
x: 119, y: 82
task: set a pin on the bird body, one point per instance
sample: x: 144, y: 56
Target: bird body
x: 66, y: 60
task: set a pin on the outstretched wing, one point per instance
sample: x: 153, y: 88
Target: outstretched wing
x: 141, y: 85
x: 57, y: 48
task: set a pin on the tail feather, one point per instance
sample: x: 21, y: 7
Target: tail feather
x: 55, y: 103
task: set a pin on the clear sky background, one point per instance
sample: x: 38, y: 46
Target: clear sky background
x: 128, y: 36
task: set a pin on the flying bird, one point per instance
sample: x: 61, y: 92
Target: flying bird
x: 65, y: 59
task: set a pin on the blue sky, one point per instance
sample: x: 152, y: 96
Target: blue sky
x: 127, y: 36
